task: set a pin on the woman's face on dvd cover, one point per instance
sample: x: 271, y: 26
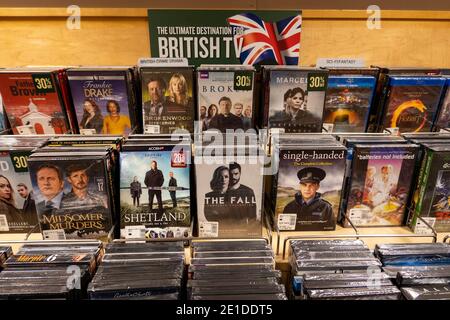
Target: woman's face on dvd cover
x: 224, y: 179
x: 297, y: 100
x: 177, y: 86
x: 89, y: 107
x: 5, y: 189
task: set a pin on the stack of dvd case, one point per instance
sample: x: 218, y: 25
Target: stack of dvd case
x: 34, y: 102
x: 167, y: 99
x: 229, y: 175
x: 420, y: 270
x: 408, y: 99
x: 443, y: 118
x: 17, y: 200
x: 234, y: 270
x: 225, y: 97
x: 429, y: 202
x: 3, y: 121
x: 50, y: 271
x: 349, y: 97
x: 294, y: 98
x: 153, y: 271
x: 155, y: 186
x: 103, y: 99
x: 74, y: 191
x: 307, y: 179
x: 378, y: 178
x: 411, y: 254
x: 338, y: 269
x: 5, y: 253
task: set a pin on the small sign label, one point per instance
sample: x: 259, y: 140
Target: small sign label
x: 43, y: 82
x: 317, y: 81
x: 3, y: 223
x: 152, y: 129
x: 393, y: 131
x: 134, y: 232
x: 162, y: 62
x: 87, y: 132
x: 19, y: 160
x: 340, y: 62
x: 359, y: 216
x: 327, y: 127
x: 422, y: 228
x: 57, y: 234
x: 178, y: 159
x: 208, y: 229
x: 287, y: 221
x: 243, y: 80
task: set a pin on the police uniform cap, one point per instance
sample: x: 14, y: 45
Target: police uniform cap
x: 311, y: 174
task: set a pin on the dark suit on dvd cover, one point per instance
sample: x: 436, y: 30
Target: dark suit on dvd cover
x: 173, y: 194
x: 314, y: 209
x: 154, y: 178
x: 222, y: 122
x: 317, y: 209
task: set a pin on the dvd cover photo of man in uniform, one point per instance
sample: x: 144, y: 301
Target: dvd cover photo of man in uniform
x: 309, y: 186
x: 308, y: 203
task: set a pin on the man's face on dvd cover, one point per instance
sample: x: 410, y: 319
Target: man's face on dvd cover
x: 225, y: 106
x: 155, y: 90
x: 79, y: 180
x: 22, y: 191
x: 235, y: 176
x: 308, y: 190
x: 49, y: 182
x: 238, y: 109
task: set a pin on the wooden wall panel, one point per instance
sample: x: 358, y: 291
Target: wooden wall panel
x: 48, y: 41
x: 397, y: 43
x: 40, y: 37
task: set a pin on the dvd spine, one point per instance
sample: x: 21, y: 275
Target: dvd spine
x: 422, y: 188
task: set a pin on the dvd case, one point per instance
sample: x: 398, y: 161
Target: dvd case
x: 32, y: 101
x: 73, y: 194
x: 102, y: 100
x: 308, y: 186
x: 155, y: 189
x: 17, y: 200
x: 348, y: 102
x: 443, y: 118
x: 431, y: 199
x: 226, y: 97
x: 411, y: 103
x: 294, y: 98
x: 379, y: 187
x: 229, y: 194
x: 167, y: 99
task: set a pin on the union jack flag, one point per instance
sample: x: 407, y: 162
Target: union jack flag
x: 260, y: 40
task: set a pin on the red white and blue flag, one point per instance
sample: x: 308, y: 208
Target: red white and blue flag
x: 266, y: 41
